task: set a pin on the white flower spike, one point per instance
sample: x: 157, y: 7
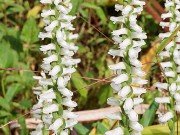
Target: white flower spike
x: 129, y: 40
x: 58, y: 65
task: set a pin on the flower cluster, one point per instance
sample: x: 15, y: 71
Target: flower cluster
x: 55, y: 103
x: 170, y: 61
x: 128, y: 84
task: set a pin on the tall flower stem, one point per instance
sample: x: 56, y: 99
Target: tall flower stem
x: 55, y: 103
x: 128, y: 85
x: 169, y: 57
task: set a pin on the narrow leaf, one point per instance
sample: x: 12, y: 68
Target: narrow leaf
x: 148, y: 117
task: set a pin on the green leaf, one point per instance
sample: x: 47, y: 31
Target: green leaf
x: 101, y: 129
x: 15, y: 8
x: 4, y: 104
x: 159, y: 130
x: 4, y: 114
x: 23, y: 127
x: 166, y: 41
x: 149, y: 116
x: 26, y: 104
x: 98, y: 9
x: 81, y: 130
x: 30, y: 31
x: 8, y: 57
x: 13, y: 37
x: 80, y: 85
x: 104, y: 93
x: 76, y: 5
x: 12, y: 91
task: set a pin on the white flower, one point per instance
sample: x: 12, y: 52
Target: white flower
x: 136, y: 126
x: 116, y: 131
x: 139, y: 35
x: 124, y: 91
x: 61, y: 83
x: 63, y: 9
x: 171, y: 44
x: 37, y: 106
x: 46, y: 13
x: 47, y: 95
x: 50, y: 59
x: 128, y: 104
x: 139, y: 80
x: 161, y: 85
x: 43, y: 35
x: 117, y: 19
x: 64, y: 132
x: 133, y: 53
x: 129, y: 42
x: 47, y: 119
x: 166, y: 15
x: 125, y: 43
x: 48, y: 47
x: 112, y: 101
x: 51, y: 26
x: 139, y: 72
x: 66, y: 92
x: 138, y: 2
x: 59, y: 54
x: 50, y: 109
x: 114, y: 116
x: 70, y: 123
x: 114, y: 52
x: 172, y: 26
x: 69, y: 103
x: 116, y: 87
x: 120, y: 78
x: 173, y: 87
x: 56, y: 69
x: 177, y: 107
x: 164, y: 24
x: 135, y: 133
x: 138, y: 90
x: 69, y: 62
x: 166, y: 64
x: 170, y: 73
x: 133, y: 116
x: 56, y: 2
x: 166, y: 117
x: 126, y: 10
x: 46, y: 1
x: 68, y: 70
x: 177, y: 97
x: 135, y: 62
x: 164, y: 35
x: 37, y: 132
x: 162, y: 100
x: 169, y: 4
x: 69, y: 114
x: 118, y: 7
x: 120, y: 32
x: 137, y: 101
x: 118, y: 66
x: 57, y: 124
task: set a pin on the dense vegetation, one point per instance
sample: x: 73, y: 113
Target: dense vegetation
x: 20, y: 59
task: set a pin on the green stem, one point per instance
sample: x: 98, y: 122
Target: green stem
x: 2, y: 85
x: 166, y: 41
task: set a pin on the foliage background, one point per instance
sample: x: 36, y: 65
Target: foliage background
x: 20, y: 59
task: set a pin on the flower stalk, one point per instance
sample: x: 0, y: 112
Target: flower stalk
x: 170, y: 64
x: 128, y: 85
x: 55, y: 102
